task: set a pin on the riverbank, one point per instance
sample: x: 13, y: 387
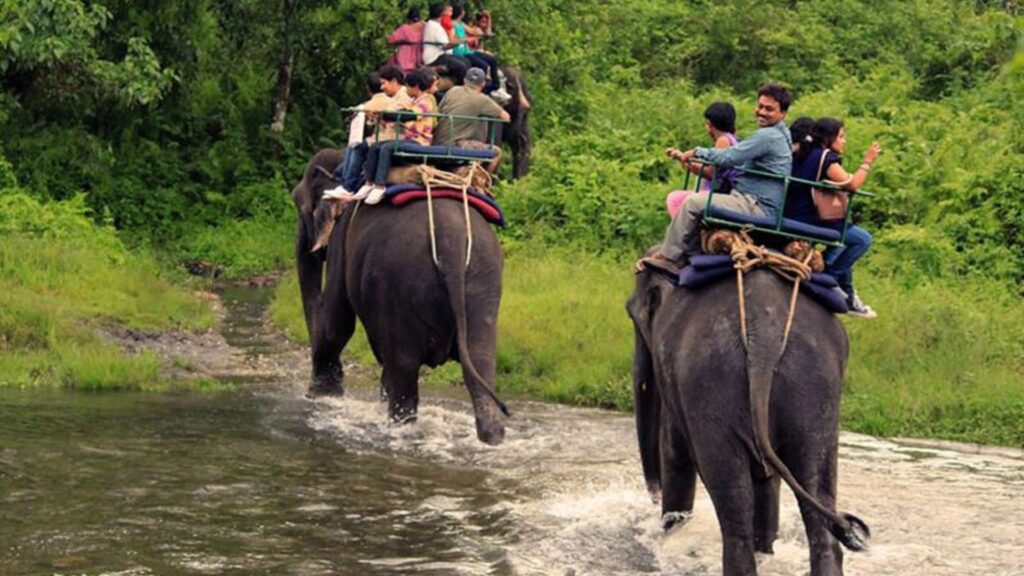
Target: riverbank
x: 71, y: 293
x: 942, y: 360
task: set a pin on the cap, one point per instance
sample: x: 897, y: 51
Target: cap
x: 475, y: 76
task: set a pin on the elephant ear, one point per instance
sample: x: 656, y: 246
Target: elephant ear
x: 306, y: 195
x: 643, y: 304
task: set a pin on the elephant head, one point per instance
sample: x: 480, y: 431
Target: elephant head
x: 306, y: 196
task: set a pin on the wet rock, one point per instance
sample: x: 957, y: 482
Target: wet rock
x: 204, y: 268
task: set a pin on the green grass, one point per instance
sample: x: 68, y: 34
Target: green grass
x: 943, y: 359
x: 239, y: 248
x: 61, y: 280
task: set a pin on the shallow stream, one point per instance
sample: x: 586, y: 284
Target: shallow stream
x: 262, y: 481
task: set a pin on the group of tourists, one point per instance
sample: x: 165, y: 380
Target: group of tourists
x: 811, y: 150
x: 410, y: 110
x: 448, y: 39
x: 406, y: 117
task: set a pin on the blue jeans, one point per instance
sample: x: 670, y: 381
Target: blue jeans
x: 839, y: 261
x: 350, y: 172
x: 378, y: 163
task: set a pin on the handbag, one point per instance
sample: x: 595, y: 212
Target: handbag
x: 830, y: 204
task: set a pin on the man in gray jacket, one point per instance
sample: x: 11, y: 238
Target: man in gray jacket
x: 769, y: 149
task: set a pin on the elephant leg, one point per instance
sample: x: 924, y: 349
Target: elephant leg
x: 335, y: 323
x: 310, y: 267
x: 521, y: 145
x: 766, y: 513
x: 818, y: 476
x: 400, y: 385
x: 728, y: 481
x: 678, y: 475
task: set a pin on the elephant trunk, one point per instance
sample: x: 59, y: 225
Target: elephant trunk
x: 453, y: 275
x: 647, y: 407
x: 764, y: 350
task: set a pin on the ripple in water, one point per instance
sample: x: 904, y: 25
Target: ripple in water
x: 580, y: 507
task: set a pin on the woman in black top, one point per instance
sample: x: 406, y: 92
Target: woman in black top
x: 819, y: 159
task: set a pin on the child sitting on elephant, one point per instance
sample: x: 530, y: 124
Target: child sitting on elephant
x: 417, y: 133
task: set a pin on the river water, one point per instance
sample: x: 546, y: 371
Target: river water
x: 260, y: 480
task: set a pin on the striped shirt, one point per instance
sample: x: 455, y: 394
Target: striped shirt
x: 422, y: 128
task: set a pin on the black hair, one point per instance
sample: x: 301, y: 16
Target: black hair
x: 413, y: 15
x: 825, y: 132
x: 777, y: 92
x: 457, y: 10
x: 722, y: 116
x: 435, y: 10
x: 391, y: 73
x: 801, y: 131
x: 373, y: 82
x: 421, y: 78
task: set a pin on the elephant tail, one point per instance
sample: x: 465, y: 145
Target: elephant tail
x: 453, y: 274
x: 762, y: 360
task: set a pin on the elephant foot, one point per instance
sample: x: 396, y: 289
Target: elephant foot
x: 490, y: 431
x: 654, y: 491
x: 672, y: 520
x: 764, y: 545
x: 328, y: 384
x: 404, y: 418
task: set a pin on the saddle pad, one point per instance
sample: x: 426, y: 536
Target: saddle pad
x: 402, y: 194
x: 705, y: 269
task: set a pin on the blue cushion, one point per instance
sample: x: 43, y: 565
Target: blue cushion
x: 443, y: 151
x: 710, y: 260
x: 706, y: 269
x: 788, y: 224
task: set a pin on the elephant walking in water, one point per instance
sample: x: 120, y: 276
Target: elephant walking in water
x: 742, y: 415
x: 379, y: 268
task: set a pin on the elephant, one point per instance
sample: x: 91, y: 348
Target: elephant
x: 379, y: 268
x: 742, y: 414
x: 517, y: 132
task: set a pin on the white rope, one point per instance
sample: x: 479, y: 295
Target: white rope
x: 431, y: 176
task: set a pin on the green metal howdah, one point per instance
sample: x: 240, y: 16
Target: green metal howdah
x: 451, y: 151
x: 777, y: 229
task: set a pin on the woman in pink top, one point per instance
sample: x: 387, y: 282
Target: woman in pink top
x: 409, y: 39
x: 720, y: 123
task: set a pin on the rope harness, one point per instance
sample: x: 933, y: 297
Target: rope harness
x: 746, y: 256
x: 431, y: 177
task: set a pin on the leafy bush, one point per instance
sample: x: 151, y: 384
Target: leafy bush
x: 61, y: 278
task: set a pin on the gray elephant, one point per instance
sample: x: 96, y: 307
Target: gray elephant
x: 380, y: 269
x: 742, y: 416
x: 517, y: 132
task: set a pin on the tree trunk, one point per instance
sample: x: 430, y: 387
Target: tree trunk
x: 282, y: 92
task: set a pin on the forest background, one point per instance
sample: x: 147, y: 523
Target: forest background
x: 140, y: 135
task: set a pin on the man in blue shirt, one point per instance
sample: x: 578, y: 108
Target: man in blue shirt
x: 769, y: 149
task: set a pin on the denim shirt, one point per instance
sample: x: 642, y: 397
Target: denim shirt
x: 769, y: 149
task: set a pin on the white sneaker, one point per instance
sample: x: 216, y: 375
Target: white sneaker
x: 859, y: 309
x: 364, y: 191
x: 375, y: 195
x: 501, y: 96
x: 337, y: 193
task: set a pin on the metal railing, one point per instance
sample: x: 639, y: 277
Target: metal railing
x: 778, y: 229
x: 451, y: 151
